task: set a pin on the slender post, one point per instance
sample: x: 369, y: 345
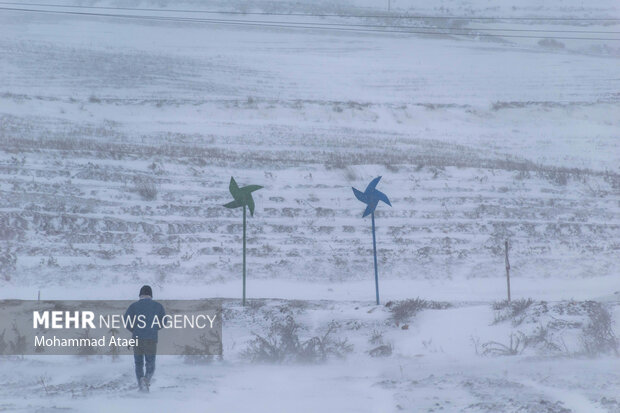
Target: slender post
x: 244, y: 255
x: 507, y: 271
x: 374, y: 248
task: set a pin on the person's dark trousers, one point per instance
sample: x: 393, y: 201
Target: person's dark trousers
x: 145, y: 351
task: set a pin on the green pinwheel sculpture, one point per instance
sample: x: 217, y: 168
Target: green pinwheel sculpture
x: 242, y: 198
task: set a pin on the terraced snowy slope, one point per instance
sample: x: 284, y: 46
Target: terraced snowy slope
x: 118, y: 137
x: 477, y: 140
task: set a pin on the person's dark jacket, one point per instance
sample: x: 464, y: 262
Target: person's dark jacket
x: 150, y: 309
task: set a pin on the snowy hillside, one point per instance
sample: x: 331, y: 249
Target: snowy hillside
x: 119, y: 135
x: 478, y: 141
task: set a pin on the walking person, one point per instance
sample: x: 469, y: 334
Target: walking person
x: 146, y: 334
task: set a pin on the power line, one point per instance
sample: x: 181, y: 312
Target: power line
x: 386, y: 15
x: 305, y: 25
x: 466, y: 31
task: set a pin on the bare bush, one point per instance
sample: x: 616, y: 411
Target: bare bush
x: 205, y: 350
x: 282, y: 344
x: 18, y: 346
x: 8, y: 263
x: 545, y: 327
x: 403, y: 310
x: 556, y: 176
x: 383, y: 350
x: 597, y: 335
x: 376, y: 337
x: 544, y: 338
x: 43, y: 380
x: 146, y: 187
x: 551, y: 44
x: 511, y: 310
x: 518, y: 342
x: 380, y: 349
x: 350, y: 174
x: 3, y: 343
x: 52, y: 262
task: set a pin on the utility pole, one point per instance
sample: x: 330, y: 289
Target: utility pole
x: 389, y: 4
x: 507, y: 270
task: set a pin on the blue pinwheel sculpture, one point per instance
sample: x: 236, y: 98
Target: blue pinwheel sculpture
x: 371, y: 197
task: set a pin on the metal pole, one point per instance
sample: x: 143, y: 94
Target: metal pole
x: 507, y: 271
x: 374, y: 248
x: 244, y: 255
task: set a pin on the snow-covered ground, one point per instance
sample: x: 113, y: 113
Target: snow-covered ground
x: 446, y: 359
x: 479, y: 139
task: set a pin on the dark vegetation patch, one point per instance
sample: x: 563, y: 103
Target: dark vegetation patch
x: 402, y: 311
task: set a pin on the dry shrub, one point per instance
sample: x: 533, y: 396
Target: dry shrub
x: 282, y: 344
x: 403, y: 310
x: 597, y: 335
x: 517, y: 343
x: 146, y: 187
x: 514, y: 310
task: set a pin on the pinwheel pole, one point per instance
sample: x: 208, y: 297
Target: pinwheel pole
x: 371, y: 197
x: 244, y: 226
x: 242, y: 198
x: 374, y: 250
